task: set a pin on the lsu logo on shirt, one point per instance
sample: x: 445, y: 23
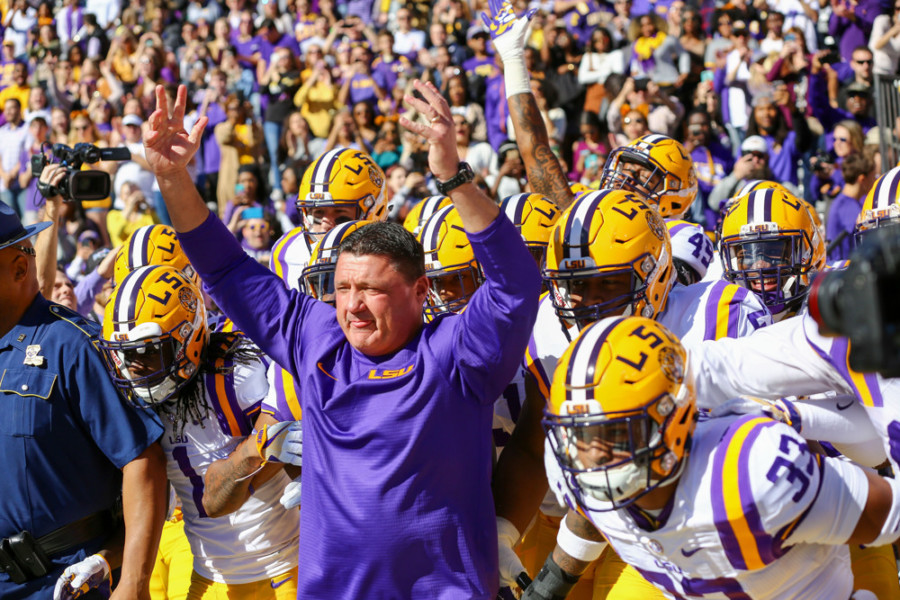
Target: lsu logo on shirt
x: 390, y: 373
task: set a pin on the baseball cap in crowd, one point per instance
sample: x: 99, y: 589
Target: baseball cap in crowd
x: 754, y: 143
x: 857, y: 88
x: 738, y: 27
x: 476, y: 30
x: 11, y: 229
x: 88, y: 234
x: 132, y: 119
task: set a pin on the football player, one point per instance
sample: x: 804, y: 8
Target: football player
x: 207, y: 391
x: 656, y: 167
x: 692, y: 251
x: 317, y: 279
x: 736, y: 506
x: 609, y: 254
x: 152, y: 245
x: 534, y: 216
x: 770, y: 245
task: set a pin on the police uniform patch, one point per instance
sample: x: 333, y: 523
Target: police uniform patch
x: 32, y: 356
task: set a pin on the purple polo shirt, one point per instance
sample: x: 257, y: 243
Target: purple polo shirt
x: 362, y: 89
x: 397, y: 448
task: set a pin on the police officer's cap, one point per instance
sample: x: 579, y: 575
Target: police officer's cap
x: 11, y: 229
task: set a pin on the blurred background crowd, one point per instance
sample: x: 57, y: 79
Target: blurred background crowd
x: 768, y: 89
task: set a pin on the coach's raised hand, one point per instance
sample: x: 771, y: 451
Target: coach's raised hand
x: 169, y: 149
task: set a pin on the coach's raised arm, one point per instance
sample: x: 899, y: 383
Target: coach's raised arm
x: 397, y: 441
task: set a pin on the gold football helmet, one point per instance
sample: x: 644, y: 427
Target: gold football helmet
x: 343, y: 177
x: 622, y: 411
x: 154, y: 333
x: 317, y: 278
x: 453, y: 273
x: 657, y: 167
x: 609, y: 254
x: 422, y: 211
x: 770, y: 244
x: 881, y: 207
x: 152, y: 245
x: 534, y: 216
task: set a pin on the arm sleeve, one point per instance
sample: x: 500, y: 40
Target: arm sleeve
x: 491, y: 334
x: 251, y: 295
x: 755, y: 365
x: 818, y: 102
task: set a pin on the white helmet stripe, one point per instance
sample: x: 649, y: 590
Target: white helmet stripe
x: 433, y: 229
x: 321, y: 176
x: 580, y: 374
x: 579, y: 225
x: 137, y: 249
x: 126, y: 300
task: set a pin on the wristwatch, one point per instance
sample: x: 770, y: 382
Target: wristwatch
x: 464, y: 175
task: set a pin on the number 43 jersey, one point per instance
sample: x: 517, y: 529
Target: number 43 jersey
x: 259, y: 540
x: 755, y: 515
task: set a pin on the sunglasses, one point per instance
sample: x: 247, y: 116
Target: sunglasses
x: 757, y: 155
x: 867, y: 61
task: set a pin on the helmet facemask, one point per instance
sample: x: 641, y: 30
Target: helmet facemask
x: 774, y: 267
x: 151, y: 366
x: 620, y: 288
x: 450, y: 288
x: 615, y: 458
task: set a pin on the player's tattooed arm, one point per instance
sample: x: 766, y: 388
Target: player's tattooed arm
x: 229, y: 482
x: 584, y: 529
x: 542, y: 167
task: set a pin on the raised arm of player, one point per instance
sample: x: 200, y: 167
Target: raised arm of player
x: 509, y: 34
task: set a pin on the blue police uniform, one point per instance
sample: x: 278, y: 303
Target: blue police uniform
x: 65, y: 433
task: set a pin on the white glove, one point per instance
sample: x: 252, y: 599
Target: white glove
x: 509, y: 34
x: 80, y: 578
x: 291, y: 496
x: 510, y: 565
x: 780, y: 410
x: 282, y: 442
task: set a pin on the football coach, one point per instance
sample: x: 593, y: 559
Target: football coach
x: 396, y: 499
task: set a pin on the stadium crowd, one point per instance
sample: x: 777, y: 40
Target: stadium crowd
x: 268, y: 138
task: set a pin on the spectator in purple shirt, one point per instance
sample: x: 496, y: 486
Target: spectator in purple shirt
x: 859, y: 174
x: 396, y: 413
x: 851, y: 22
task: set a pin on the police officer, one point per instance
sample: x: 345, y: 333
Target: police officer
x: 69, y: 445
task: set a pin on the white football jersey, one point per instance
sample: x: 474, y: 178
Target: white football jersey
x: 290, y: 255
x: 259, y: 540
x: 755, y: 515
x: 791, y: 358
x: 698, y: 312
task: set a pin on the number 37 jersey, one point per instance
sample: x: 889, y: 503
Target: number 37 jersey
x: 755, y: 515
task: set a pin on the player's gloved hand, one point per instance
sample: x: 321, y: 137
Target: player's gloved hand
x: 510, y: 565
x: 282, y: 442
x: 508, y: 32
x: 91, y: 573
x: 290, y: 498
x: 780, y: 410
